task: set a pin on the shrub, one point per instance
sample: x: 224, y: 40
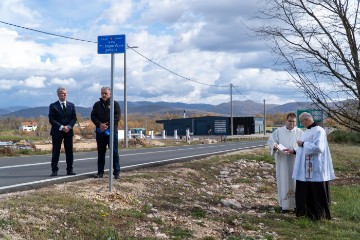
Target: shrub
x: 339, y: 136
x: 6, y: 151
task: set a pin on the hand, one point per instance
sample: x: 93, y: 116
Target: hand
x: 103, y: 127
x: 66, y: 129
x: 300, y: 143
x: 288, y: 151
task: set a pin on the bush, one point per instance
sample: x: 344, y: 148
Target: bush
x: 339, y: 136
x: 5, y: 151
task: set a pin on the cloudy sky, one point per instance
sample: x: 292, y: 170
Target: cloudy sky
x: 207, y: 44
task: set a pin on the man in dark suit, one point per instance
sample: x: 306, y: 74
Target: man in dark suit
x: 62, y: 117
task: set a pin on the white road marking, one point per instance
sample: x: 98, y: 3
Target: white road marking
x: 84, y: 159
x: 136, y: 165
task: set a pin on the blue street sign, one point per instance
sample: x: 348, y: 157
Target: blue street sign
x: 111, y: 44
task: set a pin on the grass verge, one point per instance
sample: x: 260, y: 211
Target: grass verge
x: 183, y: 201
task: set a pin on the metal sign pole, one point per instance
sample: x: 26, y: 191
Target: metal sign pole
x: 125, y: 106
x: 109, y: 45
x: 111, y: 143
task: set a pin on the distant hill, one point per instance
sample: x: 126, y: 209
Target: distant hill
x: 184, y: 106
x: 41, y: 111
x: 290, y: 107
x: 240, y: 108
x: 4, y: 111
x: 11, y: 109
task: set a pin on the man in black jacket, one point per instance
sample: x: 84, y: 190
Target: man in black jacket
x: 62, y: 117
x: 100, y: 116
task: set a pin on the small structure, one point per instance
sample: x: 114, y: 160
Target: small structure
x: 137, y: 131
x: 29, y: 126
x: 212, y: 125
x: 6, y: 144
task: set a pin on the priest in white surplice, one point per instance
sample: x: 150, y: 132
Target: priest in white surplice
x: 285, y: 138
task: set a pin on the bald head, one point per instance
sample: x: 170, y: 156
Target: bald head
x: 306, y: 119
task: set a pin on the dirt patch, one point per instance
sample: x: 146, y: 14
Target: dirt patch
x: 79, y: 145
x: 346, y: 180
x: 230, y: 196
x: 189, y: 197
x: 90, y: 144
x: 137, y: 142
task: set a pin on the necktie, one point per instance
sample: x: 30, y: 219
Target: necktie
x: 64, y: 107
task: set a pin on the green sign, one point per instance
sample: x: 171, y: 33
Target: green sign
x: 317, y: 114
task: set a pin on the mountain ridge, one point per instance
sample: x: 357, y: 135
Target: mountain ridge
x: 240, y: 108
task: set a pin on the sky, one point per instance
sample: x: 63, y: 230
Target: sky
x: 187, y: 51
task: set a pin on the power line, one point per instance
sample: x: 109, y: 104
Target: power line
x: 240, y: 93
x: 172, y: 72
x: 77, y: 39
x: 53, y: 34
x: 245, y: 96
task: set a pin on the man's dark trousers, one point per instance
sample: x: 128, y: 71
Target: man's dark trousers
x: 102, y: 141
x: 68, y: 145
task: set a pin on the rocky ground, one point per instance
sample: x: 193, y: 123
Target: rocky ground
x: 90, y: 144
x: 209, y: 197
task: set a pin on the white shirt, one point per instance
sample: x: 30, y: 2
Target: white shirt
x: 61, y: 103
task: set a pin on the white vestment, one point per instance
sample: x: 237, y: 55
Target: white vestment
x: 315, y: 147
x: 285, y: 164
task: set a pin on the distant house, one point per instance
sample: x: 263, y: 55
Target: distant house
x: 29, y: 126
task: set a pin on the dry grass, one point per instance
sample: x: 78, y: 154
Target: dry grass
x: 178, y: 201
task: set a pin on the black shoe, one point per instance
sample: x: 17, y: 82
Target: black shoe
x: 99, y: 175
x: 71, y: 173
x: 116, y: 176
x: 285, y: 211
x: 53, y: 174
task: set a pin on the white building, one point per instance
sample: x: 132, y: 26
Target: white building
x: 28, y: 126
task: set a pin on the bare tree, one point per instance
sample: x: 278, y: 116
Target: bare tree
x: 317, y: 40
x: 10, y: 123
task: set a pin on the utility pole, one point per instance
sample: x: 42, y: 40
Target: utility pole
x: 264, y: 119
x: 125, y: 102
x: 231, y: 110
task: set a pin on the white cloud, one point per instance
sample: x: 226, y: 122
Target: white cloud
x: 7, y: 84
x: 18, y: 9
x: 118, y: 12
x: 95, y: 87
x: 34, y: 82
x: 16, y: 53
x: 30, y: 82
x: 167, y: 11
x: 204, y: 41
x: 62, y: 82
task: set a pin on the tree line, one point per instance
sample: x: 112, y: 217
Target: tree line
x: 11, y: 125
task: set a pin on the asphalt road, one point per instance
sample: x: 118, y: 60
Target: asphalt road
x: 28, y: 172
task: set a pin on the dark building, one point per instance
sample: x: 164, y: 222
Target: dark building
x: 212, y: 125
